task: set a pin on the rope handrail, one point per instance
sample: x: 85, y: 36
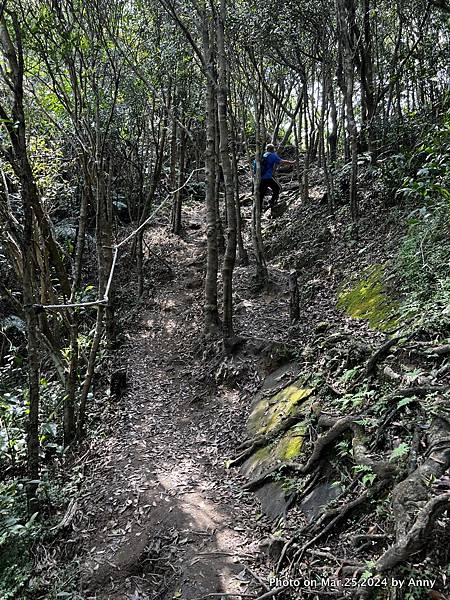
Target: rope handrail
x: 104, y: 301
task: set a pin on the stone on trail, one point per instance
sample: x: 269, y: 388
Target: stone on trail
x: 288, y: 399
x: 315, y: 502
x: 273, y: 498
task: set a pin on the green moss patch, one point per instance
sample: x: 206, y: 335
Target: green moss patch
x: 290, y: 445
x: 267, y: 414
x: 286, y: 448
x: 369, y: 300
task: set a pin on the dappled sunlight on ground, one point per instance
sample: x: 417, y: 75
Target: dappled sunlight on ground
x: 161, y: 495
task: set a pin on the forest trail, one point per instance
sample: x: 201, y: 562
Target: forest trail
x: 162, y: 518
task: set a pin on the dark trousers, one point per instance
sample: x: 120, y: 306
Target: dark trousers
x: 269, y: 184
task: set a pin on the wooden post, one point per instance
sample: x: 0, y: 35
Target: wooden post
x: 294, y: 303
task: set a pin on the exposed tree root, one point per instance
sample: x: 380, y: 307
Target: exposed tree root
x: 381, y: 353
x: 340, y: 426
x: 339, y: 514
x: 415, y: 539
x: 258, y: 442
x: 383, y: 469
x: 415, y: 488
x: 322, y: 518
x: 413, y: 510
x: 412, y: 527
x: 254, y: 484
x: 440, y: 350
x: 336, y: 514
x: 419, y: 391
x: 410, y: 392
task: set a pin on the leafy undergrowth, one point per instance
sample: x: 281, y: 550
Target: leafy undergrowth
x: 373, y: 346
x: 374, y: 336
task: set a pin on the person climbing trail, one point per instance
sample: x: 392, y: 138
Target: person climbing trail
x: 269, y: 161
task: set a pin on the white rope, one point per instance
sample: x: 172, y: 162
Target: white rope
x: 115, y: 248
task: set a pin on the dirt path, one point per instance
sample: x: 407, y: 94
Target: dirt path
x: 162, y: 518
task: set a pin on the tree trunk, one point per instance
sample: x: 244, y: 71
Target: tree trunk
x: 242, y: 252
x: 211, y: 312
x: 177, y: 203
x: 333, y: 132
x: 81, y: 424
x: 32, y: 347
x: 31, y: 208
x: 71, y: 385
x: 218, y: 181
x: 230, y: 251
x: 294, y: 299
x: 345, y: 13
x: 305, y: 178
x: 258, y: 246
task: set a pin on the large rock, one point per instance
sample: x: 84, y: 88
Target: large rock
x: 274, y: 499
x: 268, y: 412
x: 315, y: 502
x: 285, y: 448
x: 270, y: 408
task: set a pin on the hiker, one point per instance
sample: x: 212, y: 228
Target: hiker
x: 268, y: 161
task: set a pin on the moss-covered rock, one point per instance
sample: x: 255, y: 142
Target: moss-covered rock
x: 286, y: 448
x: 368, y: 299
x: 268, y: 413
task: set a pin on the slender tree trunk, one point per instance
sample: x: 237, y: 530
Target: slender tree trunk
x: 230, y: 251
x: 104, y: 247
x: 323, y: 114
x: 81, y: 424
x: 82, y: 224
x: 173, y: 150
x: 305, y: 177
x: 242, y: 252
x: 140, y: 262
x: 367, y: 70
x: 148, y: 203
x: 220, y: 232
x: 211, y: 311
x: 345, y: 11
x: 258, y: 246
x: 176, y: 223
x: 71, y: 385
x: 333, y: 133
x: 32, y: 353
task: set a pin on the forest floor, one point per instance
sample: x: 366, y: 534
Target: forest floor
x: 159, y: 516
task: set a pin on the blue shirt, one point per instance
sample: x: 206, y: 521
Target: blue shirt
x: 271, y: 159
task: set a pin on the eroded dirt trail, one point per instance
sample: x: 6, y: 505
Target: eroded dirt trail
x: 162, y: 518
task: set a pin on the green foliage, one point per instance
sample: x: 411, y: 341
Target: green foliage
x: 13, y: 411
x: 421, y: 270
x: 368, y: 571
x: 368, y: 477
x: 368, y: 299
x: 431, y: 164
x: 344, y: 448
x: 420, y: 162
x: 13, y: 415
x: 406, y: 401
x: 349, y: 374
x: 418, y: 573
x: 354, y: 400
x: 399, y: 452
x: 17, y: 534
x: 422, y: 267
